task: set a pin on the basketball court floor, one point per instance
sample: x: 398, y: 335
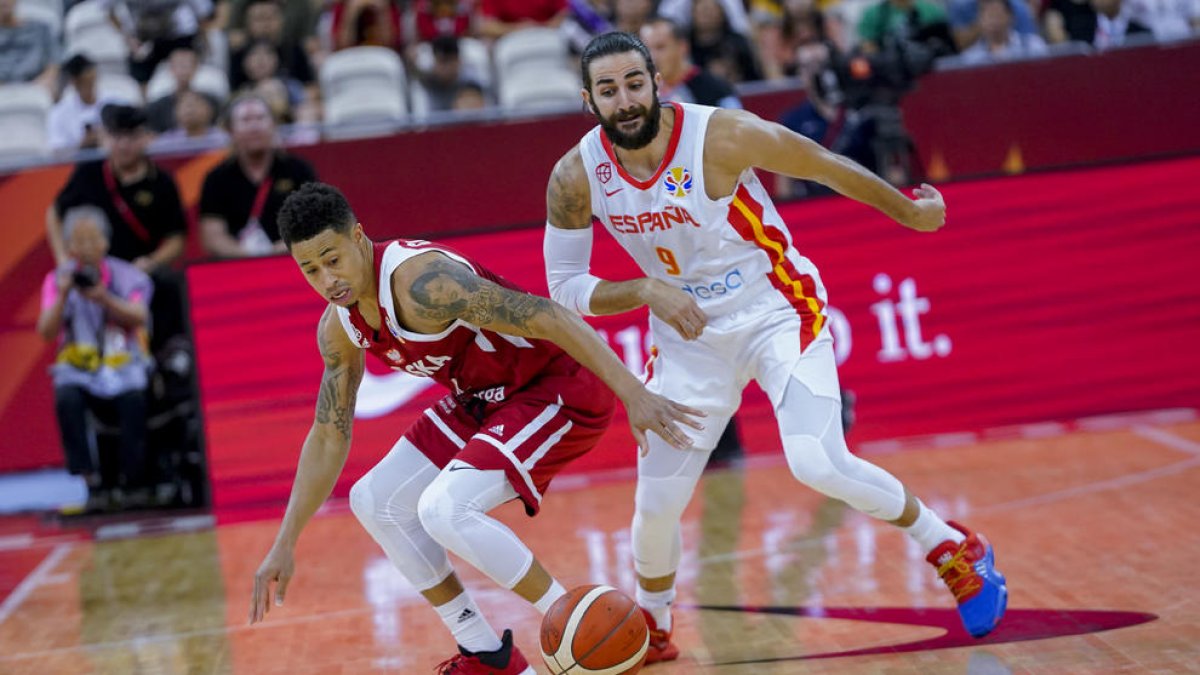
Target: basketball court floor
x: 1093, y: 523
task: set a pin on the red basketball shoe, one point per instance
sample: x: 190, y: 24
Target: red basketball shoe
x: 507, y: 660
x: 661, y: 648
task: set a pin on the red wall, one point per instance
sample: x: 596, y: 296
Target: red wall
x: 1048, y: 296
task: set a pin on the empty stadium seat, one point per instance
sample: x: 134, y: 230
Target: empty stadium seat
x: 88, y: 31
x: 23, y: 111
x: 363, y: 84
x: 529, y: 48
x: 118, y: 87
x: 45, y: 12
x: 208, y: 80
x: 529, y: 89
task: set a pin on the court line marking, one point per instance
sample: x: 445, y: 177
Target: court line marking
x: 32, y: 581
x: 1164, y: 437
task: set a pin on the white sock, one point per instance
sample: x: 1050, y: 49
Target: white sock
x: 462, y: 616
x: 929, y: 530
x: 552, y: 595
x: 658, y: 604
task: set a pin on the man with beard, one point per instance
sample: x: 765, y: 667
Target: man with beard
x: 730, y: 300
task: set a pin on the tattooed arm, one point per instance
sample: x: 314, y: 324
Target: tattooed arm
x: 569, y: 207
x: 432, y: 291
x: 321, y: 458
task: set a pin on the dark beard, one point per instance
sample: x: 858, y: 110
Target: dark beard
x: 642, y: 137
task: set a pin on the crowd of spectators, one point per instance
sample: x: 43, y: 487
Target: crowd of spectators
x: 275, y: 48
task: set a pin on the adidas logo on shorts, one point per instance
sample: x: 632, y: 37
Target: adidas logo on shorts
x: 498, y: 430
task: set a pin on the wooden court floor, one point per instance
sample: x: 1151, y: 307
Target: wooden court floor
x: 1095, y: 527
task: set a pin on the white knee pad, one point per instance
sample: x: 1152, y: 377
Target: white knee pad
x: 453, y: 510
x: 843, y: 476
x: 657, y: 536
x: 362, y: 502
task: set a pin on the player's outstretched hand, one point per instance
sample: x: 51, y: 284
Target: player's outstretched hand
x: 678, y: 309
x: 931, y: 209
x: 276, y: 567
x: 651, y: 412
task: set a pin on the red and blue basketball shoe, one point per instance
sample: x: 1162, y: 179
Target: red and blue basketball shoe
x: 507, y: 660
x: 661, y: 648
x: 969, y: 571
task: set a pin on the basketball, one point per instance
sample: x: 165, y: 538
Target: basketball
x: 594, y: 629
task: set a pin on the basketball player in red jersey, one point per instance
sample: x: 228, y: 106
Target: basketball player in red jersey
x: 730, y: 300
x: 528, y: 381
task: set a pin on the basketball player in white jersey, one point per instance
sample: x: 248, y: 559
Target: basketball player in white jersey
x: 730, y: 300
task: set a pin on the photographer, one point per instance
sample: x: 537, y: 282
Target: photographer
x: 96, y: 307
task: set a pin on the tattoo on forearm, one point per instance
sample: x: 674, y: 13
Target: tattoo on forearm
x: 447, y: 290
x: 339, y: 387
x: 566, y: 205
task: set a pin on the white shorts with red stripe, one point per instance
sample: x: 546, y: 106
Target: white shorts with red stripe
x: 761, y: 341
x: 530, y: 436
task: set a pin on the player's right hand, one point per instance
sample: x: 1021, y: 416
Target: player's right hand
x: 278, y: 566
x: 677, y: 309
x: 650, y: 412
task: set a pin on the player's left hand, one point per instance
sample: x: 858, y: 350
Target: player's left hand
x: 278, y: 566
x: 650, y: 412
x: 930, y: 209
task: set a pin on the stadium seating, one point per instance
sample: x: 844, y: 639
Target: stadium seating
x: 23, y: 111
x: 363, y: 85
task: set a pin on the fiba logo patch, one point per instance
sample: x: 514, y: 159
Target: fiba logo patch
x: 678, y: 181
x: 604, y: 172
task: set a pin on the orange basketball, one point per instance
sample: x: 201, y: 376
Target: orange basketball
x: 594, y: 629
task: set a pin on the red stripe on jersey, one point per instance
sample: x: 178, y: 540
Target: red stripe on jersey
x: 745, y: 215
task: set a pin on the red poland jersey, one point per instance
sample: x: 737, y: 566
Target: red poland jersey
x: 471, y: 361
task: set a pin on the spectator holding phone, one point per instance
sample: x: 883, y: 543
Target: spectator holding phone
x: 96, y: 307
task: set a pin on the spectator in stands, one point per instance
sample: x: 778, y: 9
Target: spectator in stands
x: 443, y: 18
x: 718, y: 48
x: 241, y: 196
x: 155, y: 29
x: 999, y: 40
x: 585, y: 20
x: 1069, y: 21
x: 366, y: 23
x: 501, y: 17
x: 74, y: 122
x: 264, y: 77
x: 265, y: 22
x: 966, y: 20
x: 28, y: 50
x: 96, y: 307
x: 630, y: 15
x: 297, y: 24
x: 1169, y: 19
x: 182, y: 64
x: 195, y: 118
x: 470, y: 96
x: 898, y: 18
x: 140, y: 199
x: 799, y: 26
x: 448, y: 74
x: 1115, y: 24
x: 683, y: 81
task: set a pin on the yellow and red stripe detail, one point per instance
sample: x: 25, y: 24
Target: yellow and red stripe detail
x: 746, y: 217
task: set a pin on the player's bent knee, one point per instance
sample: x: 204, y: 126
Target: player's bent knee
x: 662, y: 499
x: 810, y: 464
x: 362, y: 500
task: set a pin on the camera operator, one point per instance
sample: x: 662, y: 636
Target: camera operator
x: 96, y: 307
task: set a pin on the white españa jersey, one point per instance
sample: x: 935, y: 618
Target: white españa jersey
x: 725, y: 253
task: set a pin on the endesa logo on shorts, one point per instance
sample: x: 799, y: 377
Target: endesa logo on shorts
x: 650, y: 221
x: 730, y: 283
